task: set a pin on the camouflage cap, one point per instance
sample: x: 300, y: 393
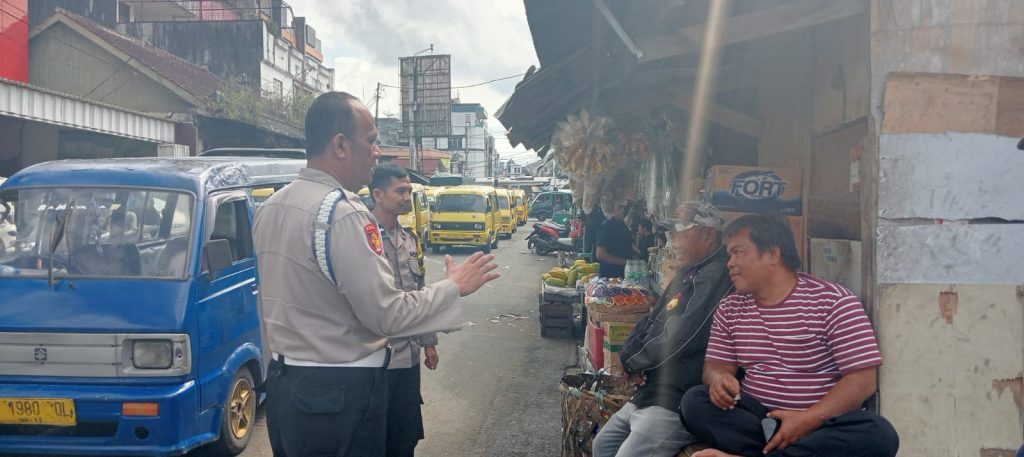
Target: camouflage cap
x: 692, y: 214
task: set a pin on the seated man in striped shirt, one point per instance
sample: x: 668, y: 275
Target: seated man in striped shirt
x: 808, y: 350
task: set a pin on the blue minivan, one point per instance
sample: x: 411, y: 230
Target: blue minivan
x: 129, y: 320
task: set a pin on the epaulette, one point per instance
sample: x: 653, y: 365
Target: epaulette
x: 322, y: 233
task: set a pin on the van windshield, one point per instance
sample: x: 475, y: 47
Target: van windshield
x: 109, y: 232
x: 460, y: 203
x: 503, y: 202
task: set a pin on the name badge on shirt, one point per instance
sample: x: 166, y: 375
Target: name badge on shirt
x: 373, y: 238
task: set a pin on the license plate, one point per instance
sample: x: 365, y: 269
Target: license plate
x: 38, y: 411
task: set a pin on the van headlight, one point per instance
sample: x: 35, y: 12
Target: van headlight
x: 156, y: 355
x: 478, y: 226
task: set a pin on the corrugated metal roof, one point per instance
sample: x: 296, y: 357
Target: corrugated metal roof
x: 403, y: 153
x: 197, y: 81
x: 25, y: 101
x: 559, y: 28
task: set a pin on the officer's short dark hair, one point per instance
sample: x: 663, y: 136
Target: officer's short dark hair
x: 330, y: 114
x: 768, y: 231
x: 384, y: 173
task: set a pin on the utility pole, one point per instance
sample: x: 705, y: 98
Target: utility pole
x: 465, y: 159
x: 413, y: 156
x: 494, y: 169
x: 376, y: 105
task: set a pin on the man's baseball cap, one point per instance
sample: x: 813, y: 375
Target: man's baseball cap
x: 692, y: 214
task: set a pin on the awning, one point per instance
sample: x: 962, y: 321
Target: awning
x: 640, y: 56
x: 32, y: 103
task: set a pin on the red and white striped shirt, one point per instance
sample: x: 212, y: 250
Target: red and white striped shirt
x: 794, y: 352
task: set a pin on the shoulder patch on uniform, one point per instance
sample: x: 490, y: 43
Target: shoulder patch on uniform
x: 373, y: 238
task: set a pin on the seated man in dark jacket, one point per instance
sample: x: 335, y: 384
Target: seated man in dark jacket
x: 665, y: 353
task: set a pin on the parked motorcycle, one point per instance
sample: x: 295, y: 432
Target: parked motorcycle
x: 550, y: 237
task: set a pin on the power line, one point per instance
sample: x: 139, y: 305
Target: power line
x: 488, y: 82
x: 471, y: 85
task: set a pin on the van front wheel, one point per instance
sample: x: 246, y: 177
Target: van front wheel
x: 238, y: 416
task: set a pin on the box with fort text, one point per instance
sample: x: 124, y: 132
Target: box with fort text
x: 756, y: 189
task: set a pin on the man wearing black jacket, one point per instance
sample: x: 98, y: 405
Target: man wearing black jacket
x: 664, y: 355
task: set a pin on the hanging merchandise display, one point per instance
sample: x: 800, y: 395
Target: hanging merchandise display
x: 599, y: 157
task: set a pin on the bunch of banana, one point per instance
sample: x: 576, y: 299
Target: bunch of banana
x: 567, y: 277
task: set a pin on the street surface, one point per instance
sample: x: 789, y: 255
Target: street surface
x: 495, y: 390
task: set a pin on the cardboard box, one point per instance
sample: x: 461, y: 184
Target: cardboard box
x: 940, y: 103
x: 837, y: 261
x: 799, y: 232
x: 756, y: 189
x: 617, y: 332
x: 594, y: 342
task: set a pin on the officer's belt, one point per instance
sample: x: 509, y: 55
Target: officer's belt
x: 378, y: 359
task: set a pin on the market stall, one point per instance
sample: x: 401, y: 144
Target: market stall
x: 798, y: 108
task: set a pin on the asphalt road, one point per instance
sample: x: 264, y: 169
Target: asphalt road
x: 495, y: 391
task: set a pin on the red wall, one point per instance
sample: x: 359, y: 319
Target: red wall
x: 14, y: 39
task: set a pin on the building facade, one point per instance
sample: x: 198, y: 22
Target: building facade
x: 256, y: 43
x: 471, y: 142
x: 39, y: 124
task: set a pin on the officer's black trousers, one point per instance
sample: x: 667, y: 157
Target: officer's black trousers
x: 320, y: 412
x: 738, y: 431
x: 405, y: 417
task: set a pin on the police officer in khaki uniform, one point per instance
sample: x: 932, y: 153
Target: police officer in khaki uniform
x: 328, y: 299
x: 391, y: 191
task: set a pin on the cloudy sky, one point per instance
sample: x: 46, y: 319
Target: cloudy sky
x: 363, y: 39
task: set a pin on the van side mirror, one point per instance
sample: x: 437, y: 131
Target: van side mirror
x: 218, y: 255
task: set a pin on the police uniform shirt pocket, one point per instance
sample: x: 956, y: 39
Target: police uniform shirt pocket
x: 319, y: 399
x: 414, y: 266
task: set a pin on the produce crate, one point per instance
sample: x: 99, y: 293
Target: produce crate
x: 557, y: 332
x: 552, y: 294
x: 556, y: 322
x: 555, y: 309
x: 588, y: 401
x: 585, y: 411
x: 557, y: 313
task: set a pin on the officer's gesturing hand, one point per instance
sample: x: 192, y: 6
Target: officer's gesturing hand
x: 473, y: 273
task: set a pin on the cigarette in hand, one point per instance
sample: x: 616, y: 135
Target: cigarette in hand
x: 736, y: 398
